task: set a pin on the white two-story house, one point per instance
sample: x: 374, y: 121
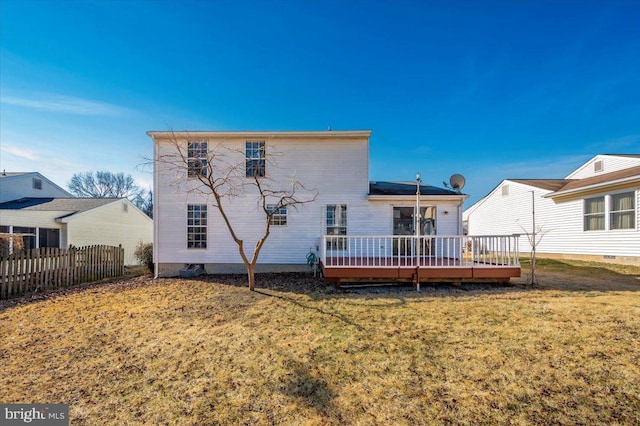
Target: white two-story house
x: 350, y: 217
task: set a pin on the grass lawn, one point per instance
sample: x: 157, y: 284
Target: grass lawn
x: 209, y: 351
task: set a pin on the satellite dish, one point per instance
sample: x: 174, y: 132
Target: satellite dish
x: 457, y: 182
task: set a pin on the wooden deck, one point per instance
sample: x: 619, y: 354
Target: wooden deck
x: 342, y: 269
x: 436, y: 258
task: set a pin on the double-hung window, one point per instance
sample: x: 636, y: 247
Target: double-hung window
x: 197, y: 226
x: 278, y: 216
x: 610, y: 212
x: 255, y: 159
x: 196, y: 158
x: 594, y: 214
x: 623, y: 212
x: 336, y: 220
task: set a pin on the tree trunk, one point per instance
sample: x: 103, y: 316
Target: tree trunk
x: 252, y: 278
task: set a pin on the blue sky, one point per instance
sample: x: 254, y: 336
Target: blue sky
x: 488, y: 89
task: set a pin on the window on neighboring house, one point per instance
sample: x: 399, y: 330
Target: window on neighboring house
x: 623, y: 211
x: 594, y: 214
x: 49, y: 237
x: 505, y: 190
x: 279, y: 216
x: 196, y: 159
x: 336, y: 220
x: 29, y: 239
x: 196, y: 226
x: 37, y: 183
x: 255, y: 159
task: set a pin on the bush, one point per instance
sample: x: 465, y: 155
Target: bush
x: 144, y: 254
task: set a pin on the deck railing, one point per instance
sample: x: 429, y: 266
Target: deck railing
x: 425, y: 252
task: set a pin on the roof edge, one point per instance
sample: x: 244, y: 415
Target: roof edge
x: 325, y: 134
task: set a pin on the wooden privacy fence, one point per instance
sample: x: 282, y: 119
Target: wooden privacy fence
x: 49, y: 268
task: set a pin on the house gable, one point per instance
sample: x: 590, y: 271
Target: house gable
x: 603, y: 164
x: 17, y: 185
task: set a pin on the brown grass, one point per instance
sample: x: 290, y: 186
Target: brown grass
x: 211, y: 352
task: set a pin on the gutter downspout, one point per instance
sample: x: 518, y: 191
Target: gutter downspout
x: 156, y: 216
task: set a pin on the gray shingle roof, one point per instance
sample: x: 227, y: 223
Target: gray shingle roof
x: 73, y: 205
x: 406, y: 188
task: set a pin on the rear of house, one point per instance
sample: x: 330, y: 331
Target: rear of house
x: 349, y: 212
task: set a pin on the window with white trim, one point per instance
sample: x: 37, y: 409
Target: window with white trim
x: 623, y: 212
x: 336, y: 220
x: 196, y: 158
x: 594, y: 214
x: 278, y: 217
x: 255, y: 159
x: 197, y: 226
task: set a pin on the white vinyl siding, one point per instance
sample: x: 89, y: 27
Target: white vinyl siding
x: 339, y: 173
x: 607, y: 164
x: 109, y: 225
x: 21, y: 186
x: 338, y: 169
x: 559, y: 224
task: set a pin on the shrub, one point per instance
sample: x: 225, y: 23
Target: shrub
x: 144, y: 254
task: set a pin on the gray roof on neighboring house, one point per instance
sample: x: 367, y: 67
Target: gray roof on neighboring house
x: 406, y: 188
x: 11, y: 174
x: 73, y: 205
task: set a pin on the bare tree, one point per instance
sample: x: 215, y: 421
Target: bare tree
x: 220, y: 173
x: 534, y: 237
x: 104, y: 184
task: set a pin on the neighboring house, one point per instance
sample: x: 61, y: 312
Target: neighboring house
x: 62, y: 222
x: 359, y: 220
x: 593, y: 213
x: 18, y: 185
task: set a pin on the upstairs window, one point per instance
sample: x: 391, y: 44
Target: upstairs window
x: 197, y: 226
x: 279, y: 216
x: 37, y: 183
x: 255, y: 159
x: 623, y: 211
x: 196, y: 159
x: 594, y: 214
